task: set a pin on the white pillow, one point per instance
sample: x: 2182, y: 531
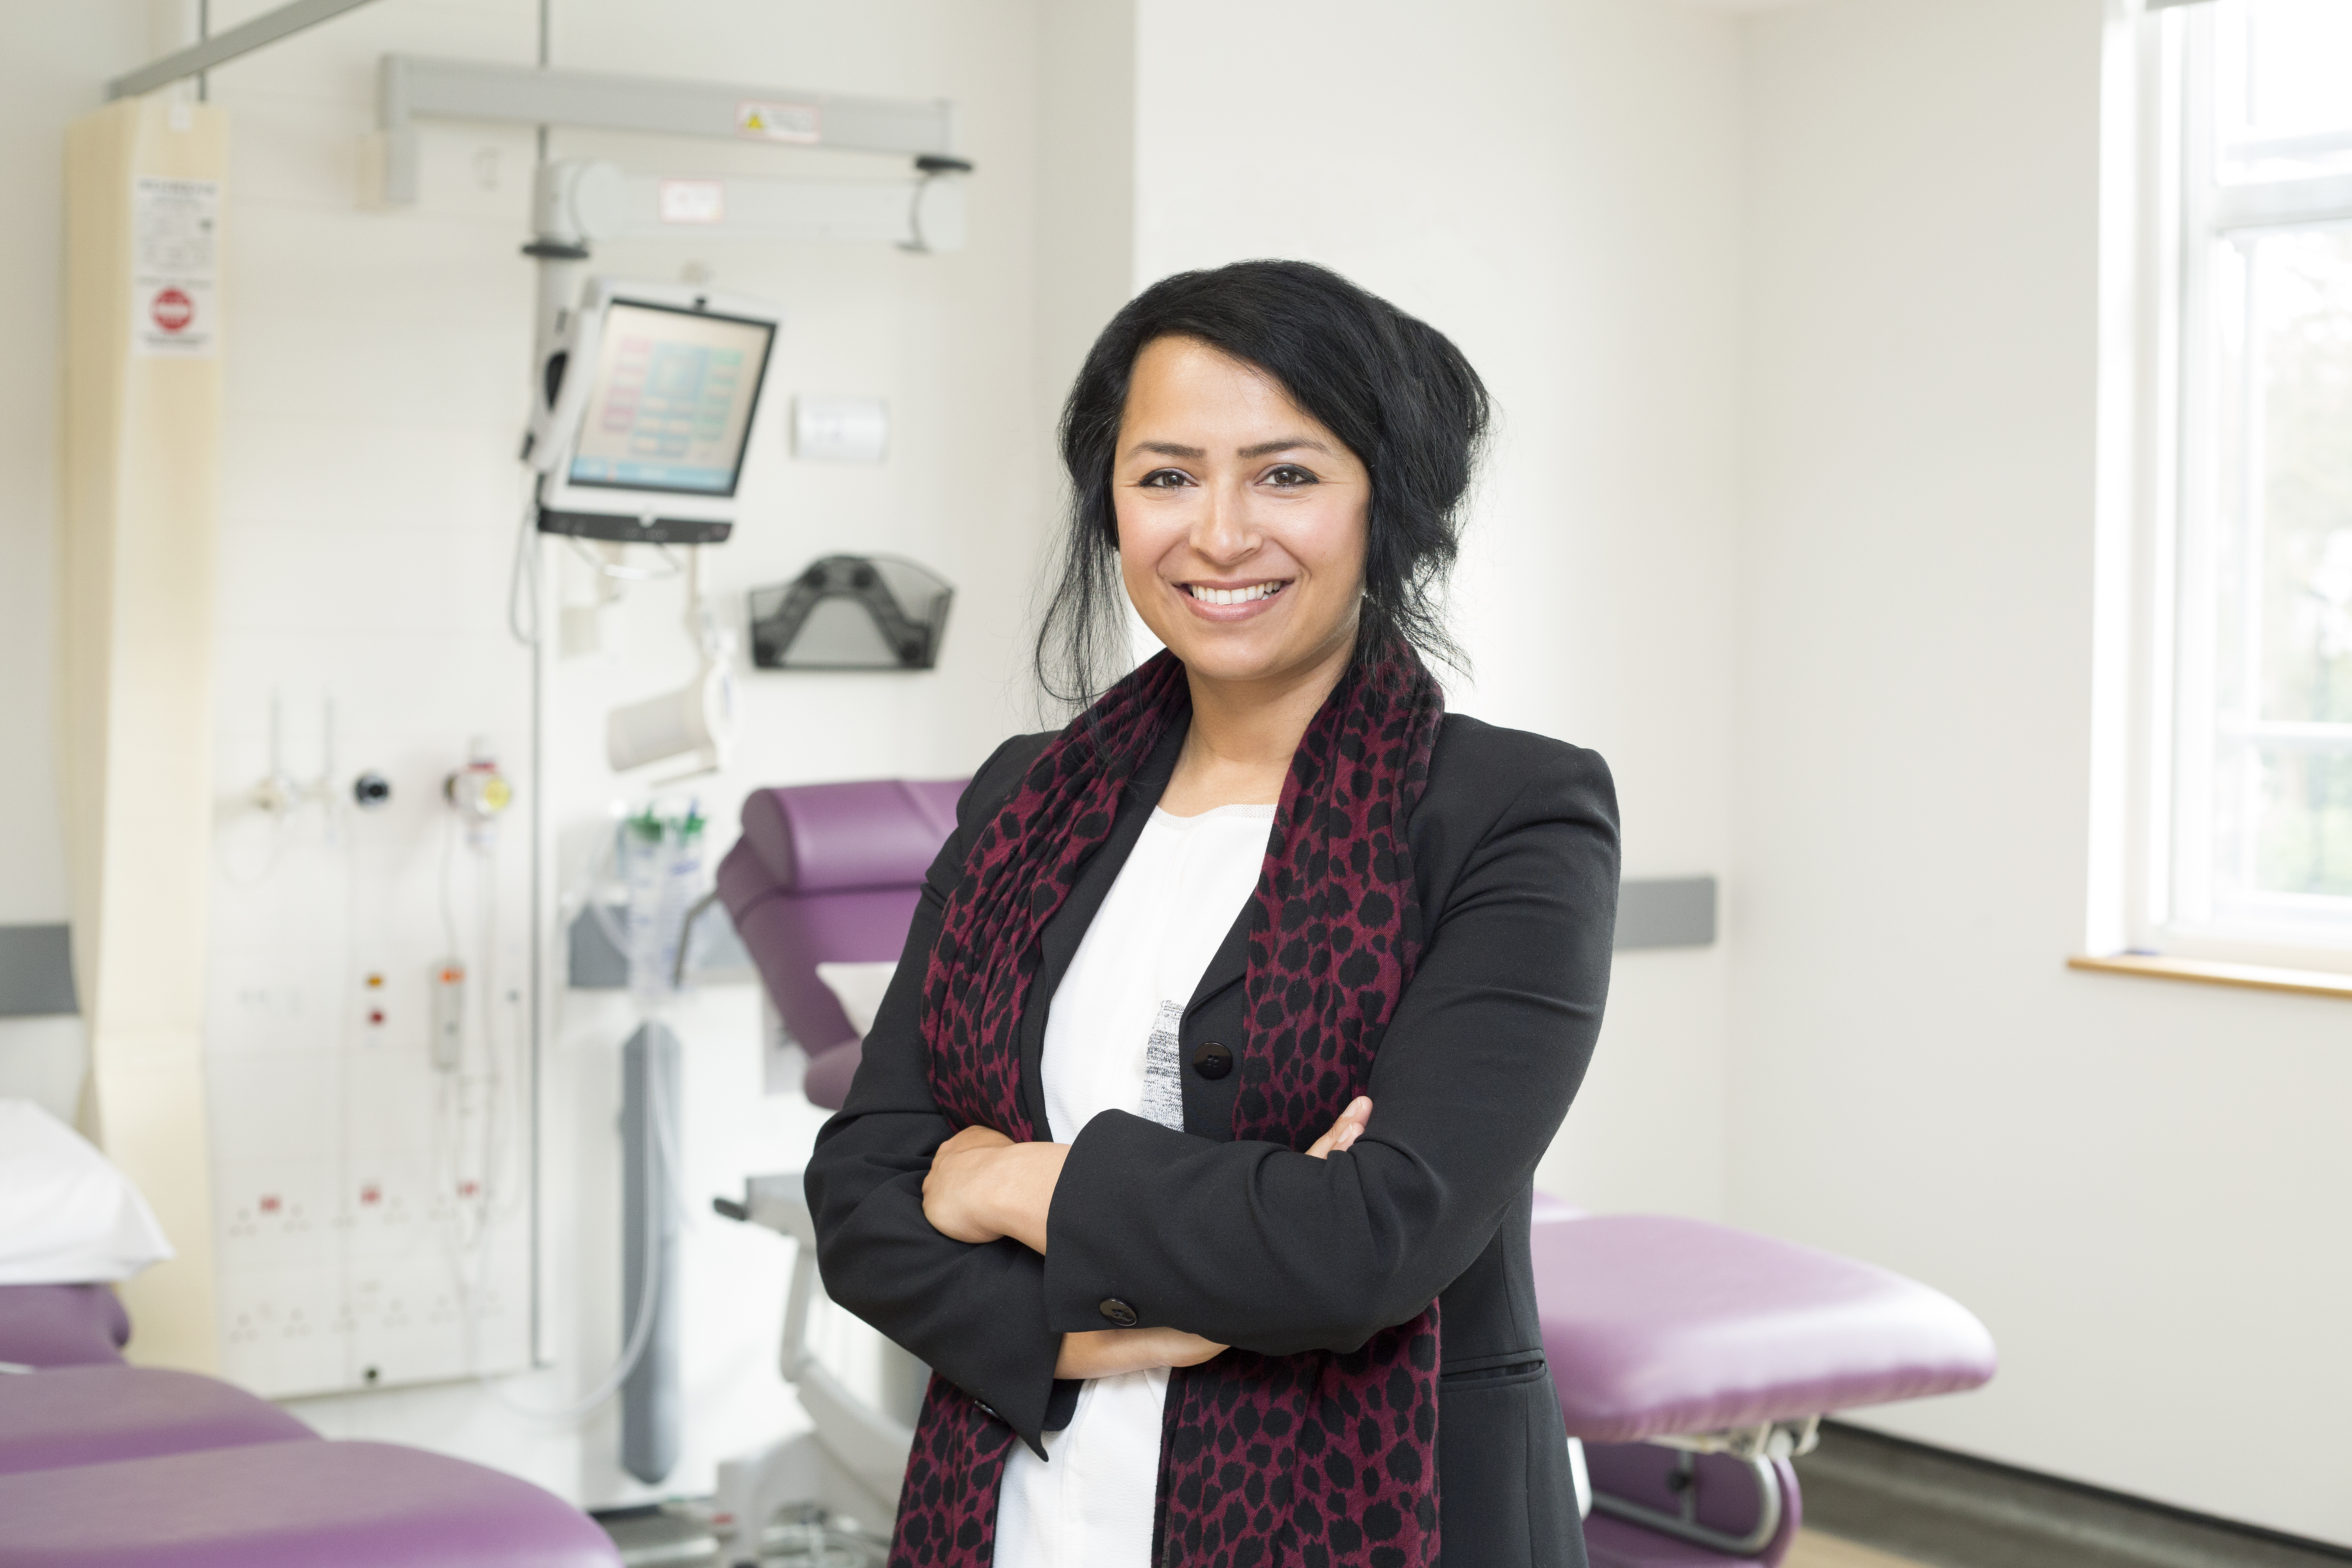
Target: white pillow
x: 859, y: 988
x: 67, y: 1216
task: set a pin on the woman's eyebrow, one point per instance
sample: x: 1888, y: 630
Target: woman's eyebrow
x: 1262, y: 450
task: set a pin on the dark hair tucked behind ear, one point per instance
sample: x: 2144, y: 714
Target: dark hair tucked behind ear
x: 1393, y: 388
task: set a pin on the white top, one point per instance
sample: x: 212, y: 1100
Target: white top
x: 1111, y: 1045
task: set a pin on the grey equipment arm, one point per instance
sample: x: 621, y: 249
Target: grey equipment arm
x: 869, y: 1444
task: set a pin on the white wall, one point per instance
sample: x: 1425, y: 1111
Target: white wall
x: 47, y: 75
x: 1555, y: 186
x: 1086, y: 190
x: 2140, y: 1186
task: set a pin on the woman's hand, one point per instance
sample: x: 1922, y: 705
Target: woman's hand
x: 1107, y: 1353
x: 982, y: 1186
x: 1344, y: 1132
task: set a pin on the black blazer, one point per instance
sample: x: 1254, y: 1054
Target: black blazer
x: 1515, y: 855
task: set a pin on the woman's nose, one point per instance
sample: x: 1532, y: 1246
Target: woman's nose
x: 1222, y: 530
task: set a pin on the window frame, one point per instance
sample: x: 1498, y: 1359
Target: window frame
x: 2162, y: 212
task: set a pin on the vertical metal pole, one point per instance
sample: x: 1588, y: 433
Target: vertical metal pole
x: 546, y: 37
x: 649, y: 1397
x: 557, y: 283
x: 538, y: 940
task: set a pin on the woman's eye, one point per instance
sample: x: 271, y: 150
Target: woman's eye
x: 1287, y: 474
x: 1165, y: 480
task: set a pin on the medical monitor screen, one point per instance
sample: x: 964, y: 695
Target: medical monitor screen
x: 670, y: 408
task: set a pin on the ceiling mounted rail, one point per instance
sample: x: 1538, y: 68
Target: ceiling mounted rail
x: 242, y: 39
x: 413, y: 88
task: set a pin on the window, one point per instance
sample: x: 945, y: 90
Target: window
x: 2246, y: 817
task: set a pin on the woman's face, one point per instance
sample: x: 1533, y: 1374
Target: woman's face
x: 1241, y: 518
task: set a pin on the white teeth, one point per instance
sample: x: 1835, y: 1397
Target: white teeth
x: 1234, y: 595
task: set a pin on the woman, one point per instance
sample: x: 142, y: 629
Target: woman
x: 1192, y: 1146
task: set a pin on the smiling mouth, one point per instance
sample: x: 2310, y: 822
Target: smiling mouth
x: 1255, y: 591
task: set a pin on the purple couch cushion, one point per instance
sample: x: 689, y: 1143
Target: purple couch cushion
x: 86, y: 1414
x: 876, y: 833
x: 1724, y: 1492
x: 829, y: 1075
x: 62, y: 1325
x: 292, y: 1505
x: 1655, y: 1325
x: 831, y: 873
x: 789, y: 934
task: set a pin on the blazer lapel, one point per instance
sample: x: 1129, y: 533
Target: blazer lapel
x: 1231, y: 965
x: 1058, y: 943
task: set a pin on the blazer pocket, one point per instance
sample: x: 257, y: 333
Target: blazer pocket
x: 1505, y: 1495
x: 1520, y: 1369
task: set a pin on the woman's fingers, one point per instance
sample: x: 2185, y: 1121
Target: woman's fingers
x: 969, y: 1139
x: 1345, y: 1130
x: 1189, y: 1350
x: 1109, y: 1352
x: 955, y: 1188
x: 982, y: 1186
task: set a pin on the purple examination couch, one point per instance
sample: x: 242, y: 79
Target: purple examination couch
x: 1693, y: 1360
x: 126, y: 1467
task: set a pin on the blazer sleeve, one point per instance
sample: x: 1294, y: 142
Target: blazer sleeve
x: 1254, y: 1245
x: 976, y: 1315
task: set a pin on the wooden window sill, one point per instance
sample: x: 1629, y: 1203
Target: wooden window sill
x: 2208, y: 972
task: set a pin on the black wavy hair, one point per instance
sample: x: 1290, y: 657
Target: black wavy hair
x: 1392, y: 387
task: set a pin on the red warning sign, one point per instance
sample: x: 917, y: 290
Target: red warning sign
x: 175, y: 267
x: 173, y: 311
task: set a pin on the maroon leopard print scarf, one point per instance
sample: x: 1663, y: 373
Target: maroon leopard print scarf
x: 1322, y: 1460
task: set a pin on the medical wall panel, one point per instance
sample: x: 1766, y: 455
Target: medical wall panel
x: 145, y: 226
x: 369, y: 495
x: 360, y: 1181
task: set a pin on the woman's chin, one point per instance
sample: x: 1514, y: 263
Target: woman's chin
x: 1235, y: 662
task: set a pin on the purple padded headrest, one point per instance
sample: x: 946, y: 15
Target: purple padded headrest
x: 876, y: 833
x: 62, y: 1325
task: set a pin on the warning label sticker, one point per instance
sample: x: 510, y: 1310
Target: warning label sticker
x: 175, y: 267
x: 778, y: 121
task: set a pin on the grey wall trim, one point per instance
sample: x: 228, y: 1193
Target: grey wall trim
x: 1651, y: 912
x: 37, y: 972
x: 1666, y: 911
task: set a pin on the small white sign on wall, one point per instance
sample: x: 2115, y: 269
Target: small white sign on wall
x: 174, y: 267
x: 693, y: 201
x: 841, y: 429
